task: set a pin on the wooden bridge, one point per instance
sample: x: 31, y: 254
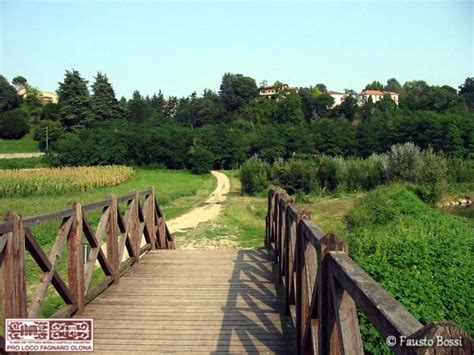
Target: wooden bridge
x: 299, y: 294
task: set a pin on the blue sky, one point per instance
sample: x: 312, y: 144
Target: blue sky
x: 180, y: 47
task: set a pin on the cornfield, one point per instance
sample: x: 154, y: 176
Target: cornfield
x: 24, y: 182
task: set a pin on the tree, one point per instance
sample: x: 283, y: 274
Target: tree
x: 50, y: 112
x: 237, y: 90
x: 200, y: 160
x: 104, y: 103
x: 139, y: 109
x: 323, y: 104
x: 288, y: 109
x: 55, y: 133
x: 158, y: 102
x: 393, y: 86
x: 322, y: 88
x: 19, y: 82
x: 8, y: 97
x: 13, y: 124
x: 348, y: 108
x: 374, y: 85
x: 258, y: 111
x: 74, y: 101
x: 466, y: 91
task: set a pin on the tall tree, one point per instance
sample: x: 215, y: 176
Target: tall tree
x: 8, y: 97
x: 74, y: 101
x: 374, y: 85
x: 348, y: 108
x: 323, y: 104
x: 139, y: 109
x: 289, y: 109
x: 393, y: 86
x: 104, y: 103
x: 158, y: 102
x: 19, y: 82
x: 237, y: 90
x: 466, y: 91
x: 322, y: 88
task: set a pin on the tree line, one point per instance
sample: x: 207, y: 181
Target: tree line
x: 222, y: 129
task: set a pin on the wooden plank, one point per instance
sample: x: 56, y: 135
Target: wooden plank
x: 75, y: 262
x: 32, y: 221
x: 112, y: 239
x: 5, y: 227
x: 50, y: 267
x: 350, y: 340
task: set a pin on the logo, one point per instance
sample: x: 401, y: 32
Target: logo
x: 49, y: 335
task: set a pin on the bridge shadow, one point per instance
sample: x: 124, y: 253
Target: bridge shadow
x: 254, y: 313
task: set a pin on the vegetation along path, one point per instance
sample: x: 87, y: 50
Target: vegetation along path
x: 206, y: 211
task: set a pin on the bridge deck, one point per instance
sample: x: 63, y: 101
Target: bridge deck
x: 194, y: 301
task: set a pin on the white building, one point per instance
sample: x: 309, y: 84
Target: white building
x: 337, y: 96
x: 376, y: 96
x: 272, y: 91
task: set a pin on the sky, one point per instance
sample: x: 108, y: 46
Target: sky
x: 185, y: 46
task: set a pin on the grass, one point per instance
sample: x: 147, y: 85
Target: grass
x: 23, y: 145
x: 177, y: 192
x: 22, y: 163
x: 241, y: 223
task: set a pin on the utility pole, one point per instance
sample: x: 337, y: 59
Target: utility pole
x: 47, y: 138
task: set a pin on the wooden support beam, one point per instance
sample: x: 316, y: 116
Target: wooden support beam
x: 75, y: 259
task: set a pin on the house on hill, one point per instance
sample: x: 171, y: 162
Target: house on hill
x: 376, y: 96
x: 43, y: 96
x: 337, y: 96
x: 273, y: 90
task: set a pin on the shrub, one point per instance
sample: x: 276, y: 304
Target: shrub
x: 254, y: 175
x: 404, y: 162
x: 461, y: 170
x: 55, y: 132
x: 332, y: 173
x: 295, y: 175
x: 13, y: 124
x: 416, y: 253
x: 432, y: 180
x: 200, y: 160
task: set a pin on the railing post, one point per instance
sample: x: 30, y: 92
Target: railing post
x: 13, y: 271
x: 75, y: 262
x: 150, y: 217
x: 446, y: 338
x: 135, y: 226
x: 327, y: 336
x: 112, y: 239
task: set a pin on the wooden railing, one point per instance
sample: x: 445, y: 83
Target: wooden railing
x: 323, y: 286
x: 142, y: 227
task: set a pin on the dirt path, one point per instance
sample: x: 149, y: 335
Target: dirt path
x: 206, y: 211
x: 21, y: 155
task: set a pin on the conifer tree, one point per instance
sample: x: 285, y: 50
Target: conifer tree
x: 104, y: 103
x: 74, y: 101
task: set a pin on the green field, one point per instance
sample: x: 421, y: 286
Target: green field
x: 177, y: 192
x: 24, y: 145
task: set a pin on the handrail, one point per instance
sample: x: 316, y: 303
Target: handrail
x: 141, y: 228
x: 323, y: 286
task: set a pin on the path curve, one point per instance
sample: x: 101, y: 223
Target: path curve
x: 206, y: 211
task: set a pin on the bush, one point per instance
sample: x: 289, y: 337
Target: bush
x: 13, y: 124
x: 404, y: 162
x: 295, y: 175
x: 200, y: 160
x: 254, y: 176
x: 332, y: 173
x: 416, y: 253
x: 55, y: 133
x: 432, y: 180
